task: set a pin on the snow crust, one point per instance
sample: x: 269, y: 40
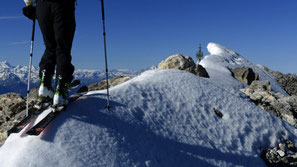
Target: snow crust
x: 160, y: 118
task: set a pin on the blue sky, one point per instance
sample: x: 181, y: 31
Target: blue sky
x: 142, y: 33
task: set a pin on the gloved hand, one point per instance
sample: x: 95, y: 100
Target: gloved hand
x: 29, y: 11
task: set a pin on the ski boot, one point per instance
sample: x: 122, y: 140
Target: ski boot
x: 61, y: 93
x: 45, y: 91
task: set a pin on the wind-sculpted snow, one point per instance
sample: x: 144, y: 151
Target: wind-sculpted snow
x: 160, y: 118
x: 221, y: 60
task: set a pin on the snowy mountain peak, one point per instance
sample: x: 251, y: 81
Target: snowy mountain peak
x: 217, y: 49
x: 4, y: 65
x: 223, y: 54
x: 220, y: 62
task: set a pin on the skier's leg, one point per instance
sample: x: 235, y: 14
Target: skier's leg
x: 43, y: 14
x: 64, y: 27
x: 48, y: 60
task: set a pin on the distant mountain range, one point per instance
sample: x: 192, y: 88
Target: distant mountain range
x: 15, y: 78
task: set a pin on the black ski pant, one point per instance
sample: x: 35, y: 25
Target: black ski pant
x: 56, y: 20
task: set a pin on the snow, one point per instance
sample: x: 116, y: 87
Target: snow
x: 220, y: 62
x: 160, y: 118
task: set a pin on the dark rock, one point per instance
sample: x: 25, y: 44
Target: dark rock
x: 201, y: 71
x: 290, y: 145
x: 218, y: 113
x: 245, y: 75
x: 287, y: 81
x: 279, y: 156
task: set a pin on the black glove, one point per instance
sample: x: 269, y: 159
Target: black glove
x: 29, y: 11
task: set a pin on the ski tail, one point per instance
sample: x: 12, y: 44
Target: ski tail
x: 40, y: 107
x: 40, y: 126
x: 24, y: 122
x: 74, y: 84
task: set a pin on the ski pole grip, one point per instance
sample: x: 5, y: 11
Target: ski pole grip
x: 33, y: 30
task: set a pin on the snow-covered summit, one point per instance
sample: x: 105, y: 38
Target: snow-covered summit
x: 217, y: 49
x: 220, y: 62
x: 160, y: 118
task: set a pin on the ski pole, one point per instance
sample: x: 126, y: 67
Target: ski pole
x: 30, y: 67
x: 105, y: 53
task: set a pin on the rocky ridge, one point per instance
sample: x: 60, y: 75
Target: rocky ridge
x: 282, y: 106
x: 288, y: 81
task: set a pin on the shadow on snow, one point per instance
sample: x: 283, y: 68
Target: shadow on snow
x: 141, y: 143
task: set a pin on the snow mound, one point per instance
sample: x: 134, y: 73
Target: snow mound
x: 216, y: 49
x: 160, y: 118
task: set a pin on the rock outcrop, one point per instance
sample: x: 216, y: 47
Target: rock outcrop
x: 185, y: 63
x: 282, y: 106
x: 245, y: 75
x: 12, y: 109
x: 180, y: 62
x: 201, y: 71
x: 283, y: 155
x: 287, y: 81
x: 111, y: 82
